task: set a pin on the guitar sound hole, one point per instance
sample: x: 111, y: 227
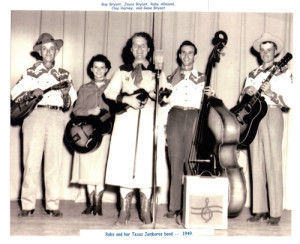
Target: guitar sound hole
x: 248, y: 108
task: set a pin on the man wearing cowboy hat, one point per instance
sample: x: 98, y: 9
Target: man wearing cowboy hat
x: 43, y: 129
x: 266, y: 148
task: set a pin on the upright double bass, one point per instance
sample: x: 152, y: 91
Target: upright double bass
x: 214, y: 147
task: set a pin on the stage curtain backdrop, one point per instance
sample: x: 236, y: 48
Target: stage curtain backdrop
x: 86, y: 33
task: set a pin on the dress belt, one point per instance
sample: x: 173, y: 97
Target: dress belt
x: 185, y: 108
x: 273, y: 106
x: 50, y: 107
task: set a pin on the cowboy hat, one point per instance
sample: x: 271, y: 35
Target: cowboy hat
x: 45, y: 38
x: 268, y: 37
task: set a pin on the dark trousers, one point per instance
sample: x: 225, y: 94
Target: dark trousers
x: 180, y: 133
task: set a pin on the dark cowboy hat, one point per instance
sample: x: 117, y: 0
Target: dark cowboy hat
x: 45, y: 38
x: 268, y: 37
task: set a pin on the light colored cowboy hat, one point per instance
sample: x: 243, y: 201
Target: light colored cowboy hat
x: 268, y: 37
x: 45, y: 38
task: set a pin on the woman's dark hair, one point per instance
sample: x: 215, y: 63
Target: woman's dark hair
x: 185, y: 43
x: 127, y: 55
x: 98, y: 58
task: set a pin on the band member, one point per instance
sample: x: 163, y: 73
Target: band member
x: 43, y: 129
x: 187, y: 87
x: 130, y: 157
x: 266, y: 148
x: 89, y: 168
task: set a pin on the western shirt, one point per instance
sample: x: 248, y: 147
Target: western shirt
x: 40, y: 77
x: 187, y: 89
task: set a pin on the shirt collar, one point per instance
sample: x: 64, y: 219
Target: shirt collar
x: 259, y: 70
x: 42, y: 67
x: 145, y: 64
x: 267, y: 69
x: 178, y: 75
x: 54, y: 71
x: 193, y: 74
x: 104, y: 80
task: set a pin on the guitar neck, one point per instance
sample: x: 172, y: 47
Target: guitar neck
x: 48, y: 89
x: 56, y: 87
x: 30, y: 98
x: 271, y: 74
x: 258, y: 93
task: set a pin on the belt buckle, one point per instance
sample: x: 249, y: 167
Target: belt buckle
x: 53, y: 107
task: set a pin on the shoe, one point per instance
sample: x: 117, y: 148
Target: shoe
x: 90, y: 204
x: 273, y: 221
x: 55, y: 213
x: 98, y: 203
x: 145, y: 209
x: 25, y: 213
x: 124, y: 214
x: 179, y: 217
x: 171, y: 214
x: 258, y: 217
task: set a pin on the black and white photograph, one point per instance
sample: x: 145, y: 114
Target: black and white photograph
x: 151, y: 121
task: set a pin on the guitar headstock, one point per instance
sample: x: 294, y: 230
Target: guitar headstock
x: 284, y: 60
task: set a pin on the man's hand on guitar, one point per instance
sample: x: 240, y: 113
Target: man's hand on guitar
x: 36, y: 93
x: 250, y: 90
x: 66, y: 90
x: 266, y: 87
x: 94, y: 111
x: 209, y: 91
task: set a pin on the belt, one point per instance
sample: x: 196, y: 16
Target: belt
x: 50, y: 107
x: 185, y: 108
x: 273, y: 106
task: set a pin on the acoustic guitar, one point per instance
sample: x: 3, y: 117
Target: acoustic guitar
x: 84, y: 133
x: 21, y: 109
x: 252, y: 109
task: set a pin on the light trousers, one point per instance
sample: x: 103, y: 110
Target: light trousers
x: 43, y: 133
x: 266, y: 163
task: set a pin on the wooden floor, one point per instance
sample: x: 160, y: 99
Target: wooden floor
x: 41, y: 224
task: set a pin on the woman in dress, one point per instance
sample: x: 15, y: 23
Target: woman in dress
x: 89, y: 168
x: 130, y: 158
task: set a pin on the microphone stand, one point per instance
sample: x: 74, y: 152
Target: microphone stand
x: 155, y: 150
x: 158, y: 66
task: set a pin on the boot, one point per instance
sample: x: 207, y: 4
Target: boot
x: 55, y: 213
x: 90, y: 204
x: 124, y: 214
x: 145, y: 208
x: 258, y: 217
x: 273, y: 221
x: 26, y: 213
x: 98, y: 203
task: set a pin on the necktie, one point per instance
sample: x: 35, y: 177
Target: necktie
x: 137, y: 75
